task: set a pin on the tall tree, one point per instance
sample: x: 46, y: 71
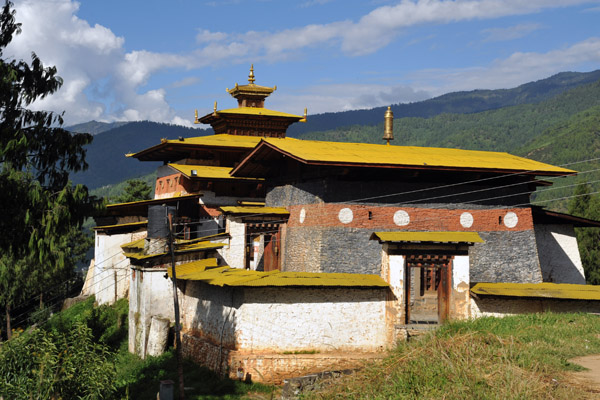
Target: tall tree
x: 41, y: 210
x: 588, y: 239
x: 135, y: 190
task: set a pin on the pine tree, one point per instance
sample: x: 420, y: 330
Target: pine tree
x: 41, y: 210
x: 135, y: 190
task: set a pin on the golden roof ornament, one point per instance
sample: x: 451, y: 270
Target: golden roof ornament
x: 388, y: 126
x: 251, y: 76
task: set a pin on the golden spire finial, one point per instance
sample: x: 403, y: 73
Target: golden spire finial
x: 305, y: 115
x: 251, y: 76
x: 196, y: 117
x: 388, y: 126
x: 215, y: 108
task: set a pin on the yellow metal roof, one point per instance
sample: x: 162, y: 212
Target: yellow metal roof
x: 130, y: 224
x: 208, y: 172
x: 427, y: 157
x: 225, y: 276
x: 254, y: 210
x: 439, y: 237
x: 258, y: 111
x: 548, y: 290
x: 135, y: 249
x: 188, y: 270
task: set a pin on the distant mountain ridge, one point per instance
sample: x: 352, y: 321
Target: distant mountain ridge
x: 504, y: 119
x: 466, y: 102
x: 95, y: 127
x: 106, y: 154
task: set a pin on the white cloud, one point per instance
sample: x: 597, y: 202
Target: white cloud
x: 377, y: 28
x: 515, y: 70
x: 104, y: 82
x: 510, y: 33
x: 85, y: 55
x: 342, y: 97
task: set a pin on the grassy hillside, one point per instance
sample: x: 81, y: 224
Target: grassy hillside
x: 517, y: 357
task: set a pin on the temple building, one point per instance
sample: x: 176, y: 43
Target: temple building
x: 295, y: 256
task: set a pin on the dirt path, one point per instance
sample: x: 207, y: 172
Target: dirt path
x: 588, y: 380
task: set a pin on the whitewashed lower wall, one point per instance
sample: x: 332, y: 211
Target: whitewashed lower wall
x: 496, y: 306
x: 111, y: 268
x: 559, y: 255
x: 287, y: 319
x: 151, y: 295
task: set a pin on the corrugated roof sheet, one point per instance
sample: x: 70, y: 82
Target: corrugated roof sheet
x: 116, y: 226
x: 312, y: 151
x: 188, y: 270
x: 258, y: 111
x: 546, y: 290
x: 135, y: 249
x: 227, y: 276
x: 208, y: 172
x: 439, y: 237
x: 254, y: 210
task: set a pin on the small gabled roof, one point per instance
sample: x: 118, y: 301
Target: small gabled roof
x: 434, y: 237
x: 141, y: 207
x: 252, y: 210
x: 343, y: 154
x: 544, y: 290
x: 541, y: 216
x: 248, y: 111
x: 208, y: 172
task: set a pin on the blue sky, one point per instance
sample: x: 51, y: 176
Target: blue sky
x: 160, y: 60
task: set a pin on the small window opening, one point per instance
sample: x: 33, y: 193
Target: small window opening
x: 370, y: 215
x: 500, y: 220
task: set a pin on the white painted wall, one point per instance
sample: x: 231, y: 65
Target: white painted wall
x: 111, y: 267
x: 287, y: 319
x: 234, y: 252
x: 559, y: 255
x: 151, y: 295
x: 460, y: 273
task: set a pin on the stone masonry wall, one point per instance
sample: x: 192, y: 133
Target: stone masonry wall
x: 506, y: 257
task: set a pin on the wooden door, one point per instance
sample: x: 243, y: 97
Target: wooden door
x: 271, y: 255
x: 427, y: 288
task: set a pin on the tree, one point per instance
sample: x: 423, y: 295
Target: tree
x: 588, y: 239
x: 41, y: 209
x: 135, y: 190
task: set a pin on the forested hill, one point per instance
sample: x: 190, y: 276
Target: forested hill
x: 106, y: 154
x: 456, y: 103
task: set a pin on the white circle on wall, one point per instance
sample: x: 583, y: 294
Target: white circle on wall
x: 401, y: 218
x: 466, y: 220
x: 302, y: 215
x: 345, y: 216
x: 511, y: 219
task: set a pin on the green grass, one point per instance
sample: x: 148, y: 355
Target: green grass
x: 517, y: 357
x: 140, y: 379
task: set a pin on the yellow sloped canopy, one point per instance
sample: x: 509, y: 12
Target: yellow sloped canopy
x: 254, y: 210
x: 187, y: 271
x: 206, y: 271
x: 547, y: 290
x: 438, y: 237
x: 135, y: 249
x: 208, y: 172
x: 258, y: 111
x: 375, y: 154
x: 129, y: 224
